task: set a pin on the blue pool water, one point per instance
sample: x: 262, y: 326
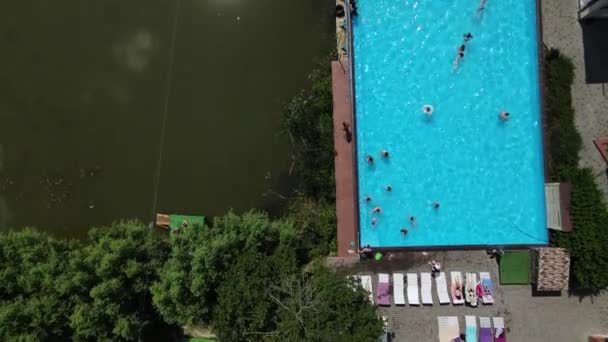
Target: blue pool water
x: 487, y: 175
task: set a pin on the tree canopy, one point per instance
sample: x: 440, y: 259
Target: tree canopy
x: 112, y: 273
x: 322, y: 306
x: 35, y: 293
x: 218, y: 275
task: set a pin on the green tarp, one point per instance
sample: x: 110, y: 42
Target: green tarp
x: 178, y: 221
x: 515, y: 268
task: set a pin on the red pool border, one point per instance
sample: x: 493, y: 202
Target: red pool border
x: 345, y: 158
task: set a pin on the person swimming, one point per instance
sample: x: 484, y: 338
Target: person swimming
x: 504, y: 116
x: 428, y: 110
x: 467, y: 36
x: 384, y: 154
x: 482, y: 6
x: 374, y: 221
x: 368, y: 198
x: 404, y: 232
x: 377, y: 210
x: 369, y: 159
x: 459, y: 55
x: 388, y: 188
x: 435, y: 205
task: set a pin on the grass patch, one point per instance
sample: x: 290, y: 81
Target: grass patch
x: 515, y: 268
x: 587, y: 242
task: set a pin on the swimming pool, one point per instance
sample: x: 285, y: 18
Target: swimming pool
x: 485, y: 173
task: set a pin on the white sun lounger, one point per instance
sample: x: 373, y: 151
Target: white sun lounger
x: 449, y: 328
x: 485, y: 330
x: 442, y: 288
x: 398, y: 289
x: 486, y: 284
x: 383, y: 292
x: 426, y: 284
x: 457, y: 279
x: 412, y: 289
x: 470, y: 286
x: 500, y: 334
x: 471, y: 328
x: 366, y: 283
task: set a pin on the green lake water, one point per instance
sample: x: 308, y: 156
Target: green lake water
x: 83, y: 90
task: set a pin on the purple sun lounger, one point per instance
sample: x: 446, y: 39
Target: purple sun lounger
x: 383, y: 295
x: 485, y: 330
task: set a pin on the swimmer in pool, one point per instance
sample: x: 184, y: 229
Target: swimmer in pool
x: 377, y: 210
x: 504, y: 116
x: 482, y: 6
x: 428, y: 110
x: 459, y: 56
x: 369, y: 159
x: 384, y: 154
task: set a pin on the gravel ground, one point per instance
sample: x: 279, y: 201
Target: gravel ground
x: 528, y: 318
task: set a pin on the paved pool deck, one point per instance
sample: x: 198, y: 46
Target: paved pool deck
x: 562, y: 30
x: 528, y: 318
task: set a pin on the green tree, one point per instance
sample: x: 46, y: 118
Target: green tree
x: 322, y: 306
x: 308, y: 119
x: 315, y: 222
x: 112, y: 273
x: 218, y: 275
x: 35, y: 292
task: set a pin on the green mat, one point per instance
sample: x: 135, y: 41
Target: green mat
x: 176, y: 221
x: 515, y: 268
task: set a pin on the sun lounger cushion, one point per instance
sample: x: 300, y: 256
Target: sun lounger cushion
x: 449, y: 329
x: 383, y: 296
x: 471, y: 283
x: 412, y: 289
x: 457, y: 284
x: 471, y: 328
x: 366, y: 283
x: 500, y: 334
x: 486, y: 284
x: 485, y: 330
x: 398, y: 289
x: 442, y: 288
x: 426, y: 288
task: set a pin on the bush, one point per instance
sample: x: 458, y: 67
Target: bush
x: 308, y: 119
x: 564, y: 140
x: 315, y: 222
x: 587, y: 242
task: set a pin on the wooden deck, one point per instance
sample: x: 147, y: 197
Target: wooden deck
x: 346, y: 195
